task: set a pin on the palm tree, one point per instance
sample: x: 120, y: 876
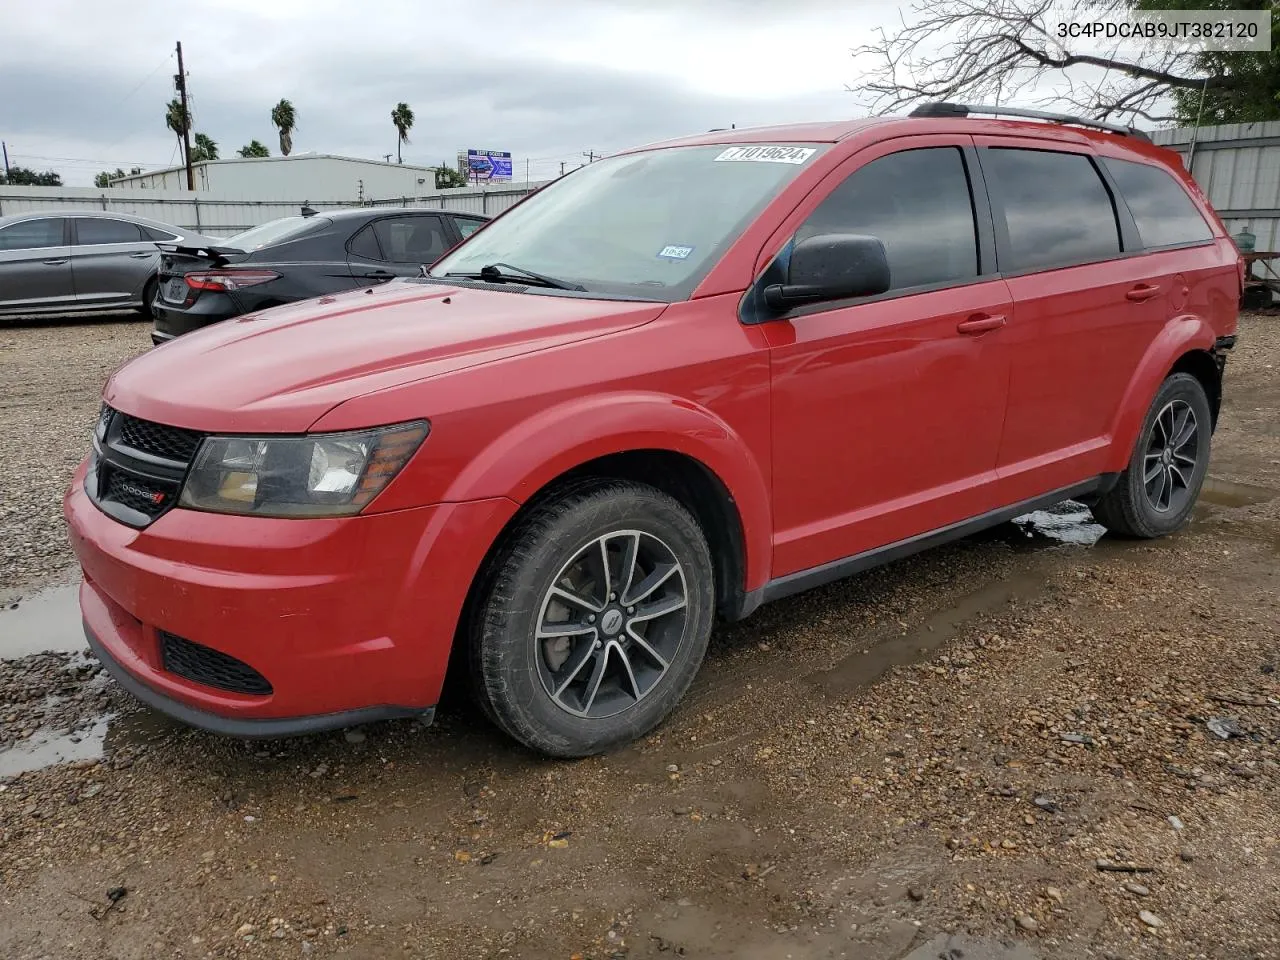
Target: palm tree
x: 286, y: 118
x: 402, y: 117
x: 205, y: 149
x: 177, y: 119
x: 254, y: 149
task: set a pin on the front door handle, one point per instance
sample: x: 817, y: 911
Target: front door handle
x: 980, y: 324
x: 57, y: 262
x: 1143, y: 291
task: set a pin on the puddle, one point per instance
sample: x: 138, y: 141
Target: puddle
x: 48, y: 620
x: 863, y: 668
x: 1066, y: 522
x: 1226, y: 493
x: 91, y: 741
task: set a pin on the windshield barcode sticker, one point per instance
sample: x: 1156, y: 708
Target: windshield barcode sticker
x: 675, y: 251
x: 768, y: 154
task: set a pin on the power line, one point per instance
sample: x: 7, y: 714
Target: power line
x: 89, y: 160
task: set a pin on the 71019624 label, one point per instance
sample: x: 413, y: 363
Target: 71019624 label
x: 768, y: 154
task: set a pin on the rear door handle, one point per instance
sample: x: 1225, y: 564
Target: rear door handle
x: 980, y: 324
x: 57, y: 262
x: 141, y: 256
x: 379, y: 275
x: 1143, y: 291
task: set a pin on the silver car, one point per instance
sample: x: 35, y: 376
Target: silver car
x: 81, y: 260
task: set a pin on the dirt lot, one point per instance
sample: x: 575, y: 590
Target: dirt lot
x: 957, y: 744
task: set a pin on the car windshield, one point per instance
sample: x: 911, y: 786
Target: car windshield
x: 275, y: 231
x: 649, y: 224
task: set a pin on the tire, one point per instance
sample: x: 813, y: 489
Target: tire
x: 148, y: 295
x: 1136, y: 508
x: 556, y: 664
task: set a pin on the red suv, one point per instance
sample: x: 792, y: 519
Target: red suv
x: 673, y: 385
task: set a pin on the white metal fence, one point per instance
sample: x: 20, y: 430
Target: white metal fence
x: 220, y: 215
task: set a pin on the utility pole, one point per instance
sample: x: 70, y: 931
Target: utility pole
x: 186, y: 118
x: 5, y: 147
x: 386, y: 157
x: 562, y: 168
x: 590, y: 155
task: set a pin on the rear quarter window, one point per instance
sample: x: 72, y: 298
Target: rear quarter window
x: 1164, y: 214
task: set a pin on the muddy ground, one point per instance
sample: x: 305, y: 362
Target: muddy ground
x: 1010, y: 739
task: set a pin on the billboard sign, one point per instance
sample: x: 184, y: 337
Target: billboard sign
x: 488, y: 165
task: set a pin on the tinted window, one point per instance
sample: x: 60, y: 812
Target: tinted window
x: 1160, y: 207
x: 93, y: 230
x: 467, y: 227
x: 31, y: 235
x: 411, y: 239
x: 1056, y: 207
x: 158, y: 235
x: 275, y: 231
x: 365, y: 245
x: 917, y: 202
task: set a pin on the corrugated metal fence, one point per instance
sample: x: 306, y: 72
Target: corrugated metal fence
x: 220, y: 215
x: 1238, y: 167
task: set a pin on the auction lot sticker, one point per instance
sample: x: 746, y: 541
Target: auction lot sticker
x: 770, y: 154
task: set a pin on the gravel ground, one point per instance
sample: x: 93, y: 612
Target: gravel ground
x: 1070, y: 747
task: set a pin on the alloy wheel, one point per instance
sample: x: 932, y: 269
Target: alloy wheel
x: 611, y: 623
x: 1169, y: 464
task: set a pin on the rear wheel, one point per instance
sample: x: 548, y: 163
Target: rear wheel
x: 593, y: 619
x: 148, y: 296
x: 1157, y: 491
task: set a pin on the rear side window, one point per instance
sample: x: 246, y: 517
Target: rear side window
x: 90, y: 230
x: 411, y: 239
x: 918, y: 203
x: 365, y: 244
x: 1056, y: 208
x: 158, y: 235
x: 1162, y: 210
x: 31, y: 235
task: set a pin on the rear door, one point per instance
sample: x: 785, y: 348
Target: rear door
x: 1084, y: 309
x: 35, y: 266
x: 111, y: 261
x: 398, y: 246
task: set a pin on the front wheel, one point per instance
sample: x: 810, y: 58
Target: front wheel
x: 1157, y: 491
x: 593, y: 619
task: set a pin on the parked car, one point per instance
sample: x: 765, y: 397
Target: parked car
x: 81, y: 260
x: 295, y: 258
x: 678, y: 383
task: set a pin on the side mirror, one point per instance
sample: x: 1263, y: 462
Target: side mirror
x: 831, y: 266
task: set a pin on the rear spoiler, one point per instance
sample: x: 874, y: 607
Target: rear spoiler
x: 207, y: 251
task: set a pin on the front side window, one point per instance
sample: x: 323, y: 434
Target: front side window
x: 91, y: 230
x: 650, y: 224
x: 411, y: 239
x: 1056, y: 207
x: 466, y: 226
x: 918, y: 203
x: 31, y: 234
x: 1161, y: 209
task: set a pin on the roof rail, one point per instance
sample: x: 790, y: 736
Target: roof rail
x: 943, y: 109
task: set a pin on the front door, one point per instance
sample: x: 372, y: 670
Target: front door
x: 398, y: 246
x: 35, y: 266
x: 887, y: 412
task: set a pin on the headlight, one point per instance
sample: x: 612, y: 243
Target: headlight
x: 324, y: 475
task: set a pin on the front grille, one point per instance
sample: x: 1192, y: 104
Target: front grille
x: 156, y: 439
x: 210, y: 667
x: 137, y: 493
x: 139, y: 467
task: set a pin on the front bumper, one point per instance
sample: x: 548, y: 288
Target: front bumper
x: 349, y: 619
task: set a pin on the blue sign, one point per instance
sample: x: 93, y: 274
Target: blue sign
x: 488, y: 165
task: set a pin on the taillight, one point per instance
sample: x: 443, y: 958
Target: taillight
x: 226, y: 280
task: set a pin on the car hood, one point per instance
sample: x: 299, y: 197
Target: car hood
x: 281, y: 369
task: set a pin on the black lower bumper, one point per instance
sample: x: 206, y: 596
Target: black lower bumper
x: 235, y: 727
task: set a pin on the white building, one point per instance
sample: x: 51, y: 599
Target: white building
x: 299, y: 177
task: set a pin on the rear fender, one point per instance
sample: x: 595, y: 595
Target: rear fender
x: 1179, y: 336
x: 535, y: 452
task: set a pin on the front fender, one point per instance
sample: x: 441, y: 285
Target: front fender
x: 534, y: 452
x: 1179, y: 336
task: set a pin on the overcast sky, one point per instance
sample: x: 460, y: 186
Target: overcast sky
x: 83, y: 86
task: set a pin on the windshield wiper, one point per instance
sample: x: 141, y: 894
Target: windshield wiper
x: 493, y: 273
